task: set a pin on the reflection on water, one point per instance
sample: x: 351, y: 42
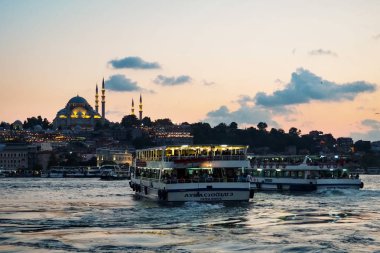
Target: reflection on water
x: 89, y: 215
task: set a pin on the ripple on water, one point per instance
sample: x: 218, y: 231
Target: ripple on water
x: 87, y: 215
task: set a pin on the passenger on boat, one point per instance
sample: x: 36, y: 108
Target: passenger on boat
x: 203, y: 176
x: 249, y: 177
x: 196, y: 177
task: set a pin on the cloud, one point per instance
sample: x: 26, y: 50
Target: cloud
x: 206, y: 83
x: 372, y: 135
x: 320, y: 51
x: 305, y: 87
x: 279, y: 81
x: 172, y: 80
x: 133, y: 62
x: 376, y: 37
x: 248, y: 115
x: 247, y: 101
x: 115, y: 112
x: 374, y: 124
x: 121, y: 83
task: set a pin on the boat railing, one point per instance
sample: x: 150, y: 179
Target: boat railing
x: 195, y: 159
x: 203, y: 180
x: 193, y: 180
x: 285, y: 164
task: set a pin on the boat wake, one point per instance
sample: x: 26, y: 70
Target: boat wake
x: 337, y: 192
x: 201, y: 206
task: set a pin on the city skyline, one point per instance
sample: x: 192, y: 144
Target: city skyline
x: 289, y: 63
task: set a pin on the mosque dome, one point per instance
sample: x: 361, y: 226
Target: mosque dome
x: 37, y: 128
x: 17, y: 122
x: 78, y: 114
x: 62, y: 111
x: 17, y: 125
x: 77, y: 100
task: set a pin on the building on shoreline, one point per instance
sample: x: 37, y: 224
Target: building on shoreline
x: 117, y: 156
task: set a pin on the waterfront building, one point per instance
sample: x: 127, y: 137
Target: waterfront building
x: 118, y: 156
x: 17, y: 157
x: 13, y: 157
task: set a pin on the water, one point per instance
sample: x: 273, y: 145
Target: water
x: 89, y: 215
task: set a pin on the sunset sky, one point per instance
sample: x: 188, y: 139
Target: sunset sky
x: 313, y: 65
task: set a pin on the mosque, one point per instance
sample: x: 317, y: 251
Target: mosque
x: 79, y: 115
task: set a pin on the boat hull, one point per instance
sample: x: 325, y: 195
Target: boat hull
x: 280, y: 184
x: 202, y: 192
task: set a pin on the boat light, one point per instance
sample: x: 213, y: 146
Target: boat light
x: 331, y: 169
x: 278, y: 169
x: 259, y: 169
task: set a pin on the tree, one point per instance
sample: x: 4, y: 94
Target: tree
x: 201, y: 132
x: 294, y: 131
x: 130, y: 121
x: 146, y: 121
x: 233, y: 125
x: 29, y: 123
x: 142, y: 142
x: 163, y: 122
x: 5, y: 125
x: 46, y: 124
x: 262, y: 126
x: 364, y: 146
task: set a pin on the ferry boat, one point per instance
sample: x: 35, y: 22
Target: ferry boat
x: 204, y: 173
x: 2, y: 173
x: 93, y: 171
x: 113, y: 172
x: 301, y: 173
x: 53, y: 172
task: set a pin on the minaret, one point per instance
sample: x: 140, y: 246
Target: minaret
x: 133, y: 108
x: 103, y: 101
x: 140, y: 108
x: 97, y: 99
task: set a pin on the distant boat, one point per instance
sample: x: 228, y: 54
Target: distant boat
x: 291, y: 173
x: 94, y: 172
x: 56, y: 172
x: 113, y: 172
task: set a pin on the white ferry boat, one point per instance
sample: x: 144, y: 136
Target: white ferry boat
x: 192, y: 173
x: 53, y: 172
x: 93, y: 171
x: 295, y: 173
x: 114, y: 172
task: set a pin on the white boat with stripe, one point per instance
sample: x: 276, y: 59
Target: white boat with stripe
x: 192, y: 173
